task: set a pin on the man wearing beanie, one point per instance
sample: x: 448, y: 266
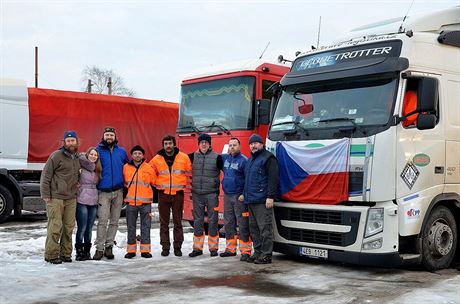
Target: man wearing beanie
x: 206, y: 166
x: 110, y: 187
x: 260, y: 188
x: 58, y: 188
x: 139, y: 178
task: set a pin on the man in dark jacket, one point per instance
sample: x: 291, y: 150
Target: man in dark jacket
x: 110, y: 187
x: 260, y: 188
x: 206, y: 166
x: 235, y: 212
x: 58, y: 188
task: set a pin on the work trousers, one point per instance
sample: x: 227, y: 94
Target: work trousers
x: 260, y: 226
x: 108, y: 212
x: 166, y: 204
x: 132, y: 213
x: 203, y: 203
x: 61, y: 221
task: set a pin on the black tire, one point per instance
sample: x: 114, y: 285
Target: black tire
x: 6, y: 203
x: 439, y: 239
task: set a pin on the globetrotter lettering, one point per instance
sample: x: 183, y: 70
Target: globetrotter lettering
x: 332, y: 59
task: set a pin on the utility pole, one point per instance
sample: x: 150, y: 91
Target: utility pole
x: 36, y: 66
x: 109, y: 85
x: 88, y: 88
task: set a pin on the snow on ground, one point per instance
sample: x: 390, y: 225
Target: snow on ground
x: 26, y: 278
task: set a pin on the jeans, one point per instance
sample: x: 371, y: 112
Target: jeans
x: 86, y: 215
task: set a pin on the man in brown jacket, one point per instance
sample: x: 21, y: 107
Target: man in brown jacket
x: 58, y: 187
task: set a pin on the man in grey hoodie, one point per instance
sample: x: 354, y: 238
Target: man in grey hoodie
x: 58, y: 188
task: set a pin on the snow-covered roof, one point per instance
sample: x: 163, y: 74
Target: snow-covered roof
x: 229, y: 67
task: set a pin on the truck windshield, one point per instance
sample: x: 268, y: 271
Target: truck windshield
x: 352, y: 103
x: 224, y: 104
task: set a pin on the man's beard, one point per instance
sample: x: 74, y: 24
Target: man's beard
x: 72, y: 148
x: 112, y: 143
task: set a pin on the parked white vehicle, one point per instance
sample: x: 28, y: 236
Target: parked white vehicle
x: 393, y: 89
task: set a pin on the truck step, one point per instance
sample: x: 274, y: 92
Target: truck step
x: 411, y: 258
x: 33, y: 203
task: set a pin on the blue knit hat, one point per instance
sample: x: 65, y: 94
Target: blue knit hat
x: 255, y: 138
x: 68, y: 134
x: 204, y: 136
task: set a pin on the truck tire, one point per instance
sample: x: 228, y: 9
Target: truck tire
x: 439, y: 239
x: 6, y: 203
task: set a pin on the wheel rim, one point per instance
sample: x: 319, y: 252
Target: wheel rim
x: 440, y: 239
x: 2, y: 203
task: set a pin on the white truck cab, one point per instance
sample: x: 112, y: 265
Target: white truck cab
x: 392, y: 89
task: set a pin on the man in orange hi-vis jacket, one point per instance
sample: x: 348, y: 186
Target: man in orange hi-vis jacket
x: 171, y: 168
x: 139, y: 178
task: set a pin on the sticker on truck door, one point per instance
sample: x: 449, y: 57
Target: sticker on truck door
x: 410, y: 174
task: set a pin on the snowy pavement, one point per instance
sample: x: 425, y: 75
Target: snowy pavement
x: 26, y: 278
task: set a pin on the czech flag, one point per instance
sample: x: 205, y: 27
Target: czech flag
x: 314, y: 175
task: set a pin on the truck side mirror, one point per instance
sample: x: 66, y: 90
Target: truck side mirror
x: 426, y: 121
x: 427, y: 95
x: 263, y: 112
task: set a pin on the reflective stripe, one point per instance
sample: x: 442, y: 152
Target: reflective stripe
x: 173, y: 171
x: 231, y: 245
x: 142, y: 199
x: 213, y: 242
x: 131, y: 248
x: 167, y: 186
x: 163, y: 172
x: 245, y: 214
x: 216, y: 209
x: 144, y: 247
x: 245, y: 247
x: 140, y: 183
x: 178, y: 171
x: 198, y: 242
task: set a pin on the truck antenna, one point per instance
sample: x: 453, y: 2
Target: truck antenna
x: 405, y: 16
x: 263, y: 52
x: 319, y: 32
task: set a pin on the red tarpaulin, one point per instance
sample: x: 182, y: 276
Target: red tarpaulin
x: 137, y: 121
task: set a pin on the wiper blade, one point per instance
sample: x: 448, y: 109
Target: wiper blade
x: 352, y: 120
x: 213, y: 125
x: 296, y: 124
x: 195, y: 129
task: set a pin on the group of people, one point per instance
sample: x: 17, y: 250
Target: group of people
x: 79, y: 187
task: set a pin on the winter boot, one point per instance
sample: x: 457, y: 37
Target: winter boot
x: 108, y: 253
x: 266, y: 259
x: 98, y: 255
x: 80, y: 249
x: 213, y: 253
x: 195, y: 253
x: 66, y: 259
x: 54, y: 261
x: 130, y: 255
x: 177, y: 252
x: 86, y: 251
x: 227, y: 254
x: 146, y: 255
x: 244, y: 257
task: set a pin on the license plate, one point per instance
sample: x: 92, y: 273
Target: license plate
x: 314, y: 252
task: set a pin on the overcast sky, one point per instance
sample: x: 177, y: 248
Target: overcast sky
x: 153, y: 44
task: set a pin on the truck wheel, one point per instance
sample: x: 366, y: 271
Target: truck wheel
x: 439, y: 239
x: 6, y: 203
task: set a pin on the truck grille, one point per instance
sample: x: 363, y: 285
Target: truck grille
x: 346, y: 218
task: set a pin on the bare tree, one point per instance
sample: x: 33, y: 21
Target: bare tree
x: 99, y: 80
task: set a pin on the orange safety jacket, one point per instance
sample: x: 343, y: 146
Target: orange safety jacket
x: 140, y: 191
x: 171, y: 181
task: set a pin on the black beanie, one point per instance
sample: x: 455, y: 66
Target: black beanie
x: 204, y: 136
x: 137, y: 148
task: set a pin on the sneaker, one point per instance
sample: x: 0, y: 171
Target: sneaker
x: 195, y: 253
x: 108, y: 253
x: 98, y: 255
x: 177, y: 252
x: 164, y: 253
x: 263, y: 260
x: 54, y: 261
x: 146, y: 255
x: 66, y: 259
x: 213, y: 253
x: 227, y: 254
x: 252, y: 258
x: 244, y: 257
x: 130, y: 255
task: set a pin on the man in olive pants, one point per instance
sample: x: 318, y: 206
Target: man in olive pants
x: 58, y: 188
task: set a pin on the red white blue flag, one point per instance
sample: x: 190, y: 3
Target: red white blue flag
x: 314, y: 175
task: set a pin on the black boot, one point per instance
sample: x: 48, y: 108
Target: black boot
x: 80, y: 249
x: 86, y: 251
x: 108, y: 253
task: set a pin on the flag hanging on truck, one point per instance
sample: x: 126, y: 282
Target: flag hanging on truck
x: 314, y: 175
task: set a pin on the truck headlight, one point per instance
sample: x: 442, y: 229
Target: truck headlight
x: 374, y: 223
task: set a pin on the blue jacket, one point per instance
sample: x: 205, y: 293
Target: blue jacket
x: 112, y: 162
x: 233, y: 181
x: 256, y: 185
